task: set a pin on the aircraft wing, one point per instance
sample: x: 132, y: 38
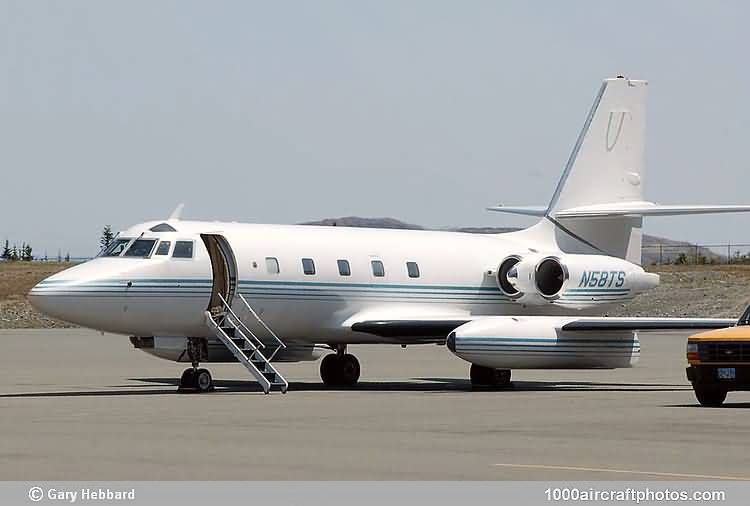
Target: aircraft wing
x: 429, y: 330
x: 609, y: 323
x: 434, y: 329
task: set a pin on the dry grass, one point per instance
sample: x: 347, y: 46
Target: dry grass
x: 17, y: 278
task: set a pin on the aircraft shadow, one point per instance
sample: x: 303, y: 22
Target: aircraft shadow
x: 426, y: 385
x: 726, y: 405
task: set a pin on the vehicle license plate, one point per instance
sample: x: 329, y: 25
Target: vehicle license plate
x: 725, y: 373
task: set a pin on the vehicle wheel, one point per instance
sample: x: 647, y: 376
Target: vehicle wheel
x: 349, y: 370
x: 488, y: 377
x: 203, y: 381
x: 710, y: 397
x: 329, y: 370
x: 187, y: 380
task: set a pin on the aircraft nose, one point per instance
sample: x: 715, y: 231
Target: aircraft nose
x: 93, y: 294
x: 47, y: 297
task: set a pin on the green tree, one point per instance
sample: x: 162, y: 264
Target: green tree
x: 107, y: 236
x: 14, y: 253
x: 6, y: 251
x: 67, y: 257
x: 26, y: 254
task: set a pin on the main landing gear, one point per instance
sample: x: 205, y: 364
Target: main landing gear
x: 340, y: 369
x: 487, y: 377
x: 195, y: 379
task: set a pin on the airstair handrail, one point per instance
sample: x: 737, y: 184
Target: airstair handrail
x: 240, y: 322
x: 252, y: 311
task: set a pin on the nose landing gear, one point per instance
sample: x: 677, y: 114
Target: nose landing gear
x: 340, y: 369
x: 195, y: 379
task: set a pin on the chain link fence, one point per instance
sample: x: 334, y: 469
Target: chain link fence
x: 695, y: 254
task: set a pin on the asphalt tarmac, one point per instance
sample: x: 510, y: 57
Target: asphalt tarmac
x: 79, y: 405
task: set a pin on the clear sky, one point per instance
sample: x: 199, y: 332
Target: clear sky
x: 426, y: 111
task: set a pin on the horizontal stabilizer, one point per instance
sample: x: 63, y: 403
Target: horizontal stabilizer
x: 624, y: 209
x: 645, y: 209
x: 524, y: 210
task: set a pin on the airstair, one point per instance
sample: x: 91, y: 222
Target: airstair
x: 246, y: 346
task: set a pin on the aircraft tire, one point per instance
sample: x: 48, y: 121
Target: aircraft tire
x: 329, y: 370
x: 349, y: 370
x: 203, y: 381
x: 187, y: 380
x: 340, y: 371
x: 488, y: 377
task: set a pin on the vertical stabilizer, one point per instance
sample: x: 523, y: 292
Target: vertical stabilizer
x: 605, y: 167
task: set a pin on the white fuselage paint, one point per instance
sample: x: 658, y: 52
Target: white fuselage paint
x: 165, y: 296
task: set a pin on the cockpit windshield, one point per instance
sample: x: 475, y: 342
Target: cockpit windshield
x: 116, y: 248
x: 140, y: 248
x: 745, y: 318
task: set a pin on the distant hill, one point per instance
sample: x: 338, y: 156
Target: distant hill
x: 650, y: 252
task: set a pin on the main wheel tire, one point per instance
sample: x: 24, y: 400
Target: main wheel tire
x: 329, y: 370
x: 488, y: 377
x: 710, y: 397
x: 349, y: 370
x: 203, y: 381
x: 187, y: 381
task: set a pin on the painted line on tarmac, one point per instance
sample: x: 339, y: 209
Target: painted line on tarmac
x: 625, y: 471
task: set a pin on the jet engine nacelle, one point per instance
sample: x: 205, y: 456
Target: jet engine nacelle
x: 576, y: 281
x: 538, y: 342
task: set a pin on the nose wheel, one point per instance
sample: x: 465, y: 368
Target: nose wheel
x: 196, y: 379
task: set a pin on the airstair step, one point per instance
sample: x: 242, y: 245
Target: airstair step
x: 247, y: 351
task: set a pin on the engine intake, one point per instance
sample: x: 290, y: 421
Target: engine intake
x: 550, y: 276
x: 503, y: 282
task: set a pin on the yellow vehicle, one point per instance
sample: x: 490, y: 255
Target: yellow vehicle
x: 720, y: 362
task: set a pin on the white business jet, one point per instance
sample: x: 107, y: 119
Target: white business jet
x: 200, y: 291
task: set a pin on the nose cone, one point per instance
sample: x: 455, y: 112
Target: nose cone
x: 74, y: 295
x: 48, y: 296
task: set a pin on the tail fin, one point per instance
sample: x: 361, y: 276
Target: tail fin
x: 598, y: 204
x: 606, y: 165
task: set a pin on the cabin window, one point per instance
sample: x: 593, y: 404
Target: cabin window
x: 413, y: 269
x: 272, y: 265
x: 308, y: 266
x: 377, y: 268
x: 344, y: 268
x: 163, y: 248
x: 116, y: 248
x: 141, y: 248
x: 183, y: 249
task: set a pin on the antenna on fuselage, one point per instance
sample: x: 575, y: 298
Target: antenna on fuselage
x: 177, y: 213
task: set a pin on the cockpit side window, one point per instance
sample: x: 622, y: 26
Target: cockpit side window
x: 163, y: 248
x: 140, y: 248
x: 116, y: 248
x: 183, y: 249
